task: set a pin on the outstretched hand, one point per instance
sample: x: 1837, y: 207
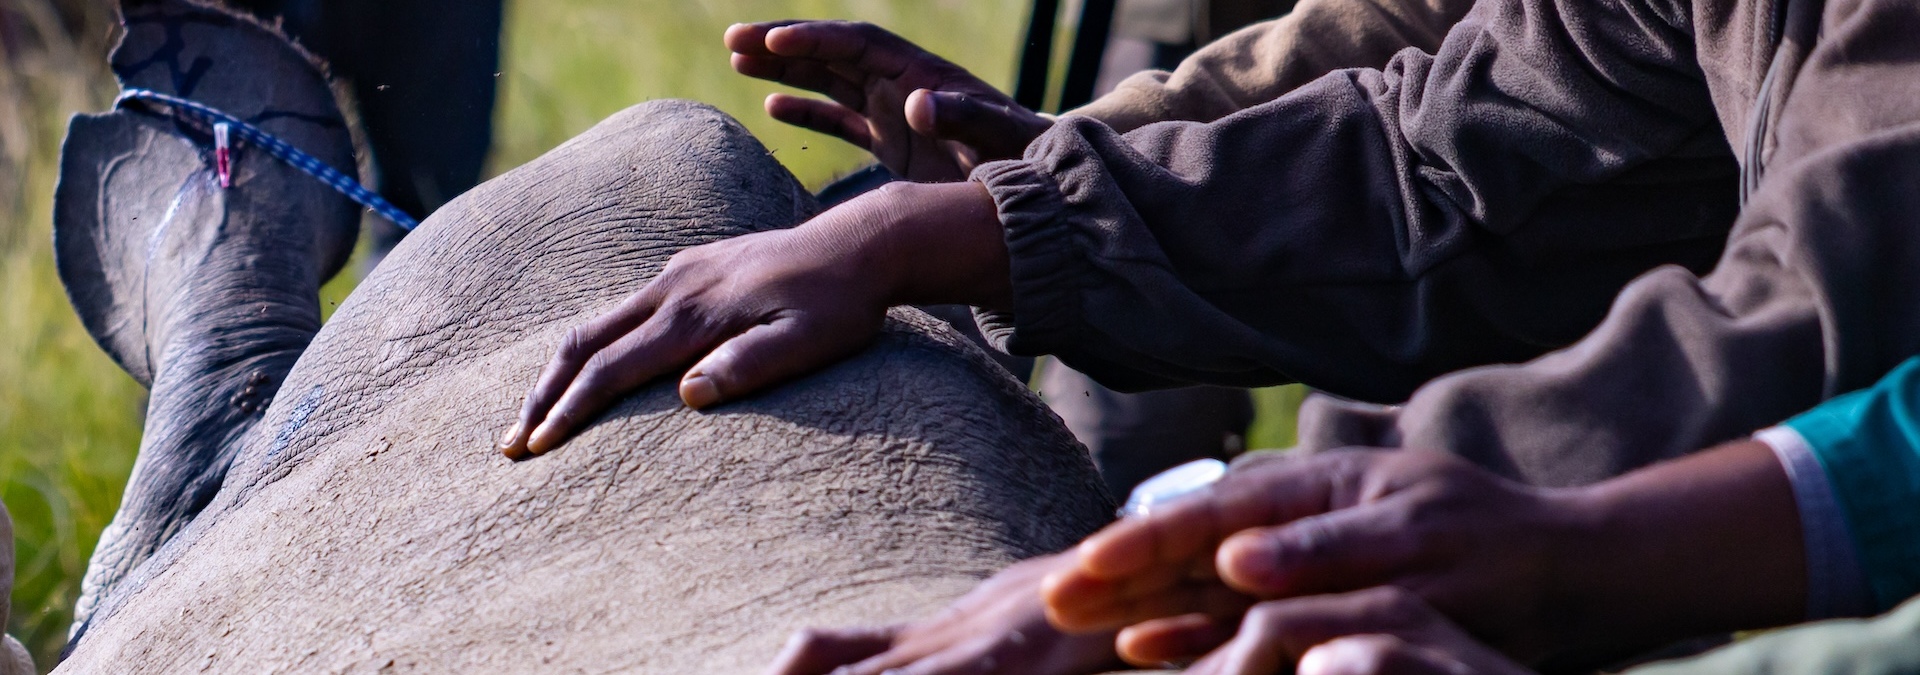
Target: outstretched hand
x: 759, y: 309
x: 997, y: 628
x: 923, y: 117
x: 1480, y: 547
x: 1705, y: 543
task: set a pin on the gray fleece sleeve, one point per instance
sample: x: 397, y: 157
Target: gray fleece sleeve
x: 1817, y: 292
x: 1374, y: 229
x: 1258, y: 63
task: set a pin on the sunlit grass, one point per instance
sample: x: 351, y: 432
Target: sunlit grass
x: 70, y: 419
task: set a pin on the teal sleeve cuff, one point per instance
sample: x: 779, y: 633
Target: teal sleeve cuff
x: 1868, y: 443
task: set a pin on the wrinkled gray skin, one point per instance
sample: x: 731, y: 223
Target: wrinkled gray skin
x: 366, y: 521
x: 14, y: 659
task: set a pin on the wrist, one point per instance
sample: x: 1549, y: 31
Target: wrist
x: 938, y: 243
x: 1703, y: 544
x: 1577, y: 601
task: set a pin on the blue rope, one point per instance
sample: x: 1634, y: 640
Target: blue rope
x: 293, y: 156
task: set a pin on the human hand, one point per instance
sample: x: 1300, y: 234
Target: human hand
x: 1371, y: 632
x: 923, y: 117
x: 766, y: 307
x: 1705, y: 543
x: 997, y: 628
x: 1480, y: 548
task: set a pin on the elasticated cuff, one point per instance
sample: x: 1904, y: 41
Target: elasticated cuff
x: 1042, y: 256
x: 1836, y: 586
x: 1868, y: 443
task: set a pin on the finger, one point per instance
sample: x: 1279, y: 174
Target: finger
x: 805, y: 74
x: 655, y: 347
x: 1195, y: 525
x: 578, y: 346
x: 751, y: 38
x: 778, y: 351
x: 996, y: 129
x: 825, y: 117
x: 1344, y: 550
x: 867, y: 47
x: 1376, y: 655
x: 1124, y: 609
x: 1172, y: 640
x: 817, y: 652
x: 1078, y: 601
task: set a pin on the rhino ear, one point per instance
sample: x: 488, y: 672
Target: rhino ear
x: 198, y: 51
x: 123, y: 178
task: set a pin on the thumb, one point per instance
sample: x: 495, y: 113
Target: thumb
x: 996, y: 129
x: 765, y: 355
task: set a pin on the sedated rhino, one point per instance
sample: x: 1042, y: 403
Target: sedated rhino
x: 324, y: 499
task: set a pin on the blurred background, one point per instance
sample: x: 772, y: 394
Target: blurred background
x: 70, y: 420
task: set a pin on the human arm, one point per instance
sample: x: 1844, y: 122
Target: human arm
x: 1709, y: 542
x: 1260, y: 62
x: 1373, y: 229
x: 1816, y: 293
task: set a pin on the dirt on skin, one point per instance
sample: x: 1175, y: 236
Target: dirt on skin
x: 370, y: 525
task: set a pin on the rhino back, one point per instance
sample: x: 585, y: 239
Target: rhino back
x: 371, y: 523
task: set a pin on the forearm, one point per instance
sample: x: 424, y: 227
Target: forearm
x: 1373, y: 229
x: 1259, y: 63
x: 924, y: 243
x: 1709, y: 542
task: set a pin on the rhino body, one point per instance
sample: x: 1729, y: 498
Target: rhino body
x: 360, y: 519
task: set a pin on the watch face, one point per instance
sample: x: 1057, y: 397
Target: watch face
x: 1172, y: 484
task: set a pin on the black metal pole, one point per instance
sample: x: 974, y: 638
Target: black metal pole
x: 1030, y: 85
x: 1089, y: 49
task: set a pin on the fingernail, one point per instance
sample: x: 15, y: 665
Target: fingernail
x: 513, y: 434
x: 1249, y: 560
x: 544, y: 439
x: 699, y: 391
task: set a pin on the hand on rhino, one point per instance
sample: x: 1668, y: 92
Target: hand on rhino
x: 771, y: 306
x: 999, y: 627
x: 923, y: 117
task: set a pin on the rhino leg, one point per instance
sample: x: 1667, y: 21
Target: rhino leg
x: 206, y: 295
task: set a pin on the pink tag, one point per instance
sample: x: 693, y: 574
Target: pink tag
x: 223, y: 154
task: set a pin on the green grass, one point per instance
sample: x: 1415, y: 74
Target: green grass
x: 70, y: 419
